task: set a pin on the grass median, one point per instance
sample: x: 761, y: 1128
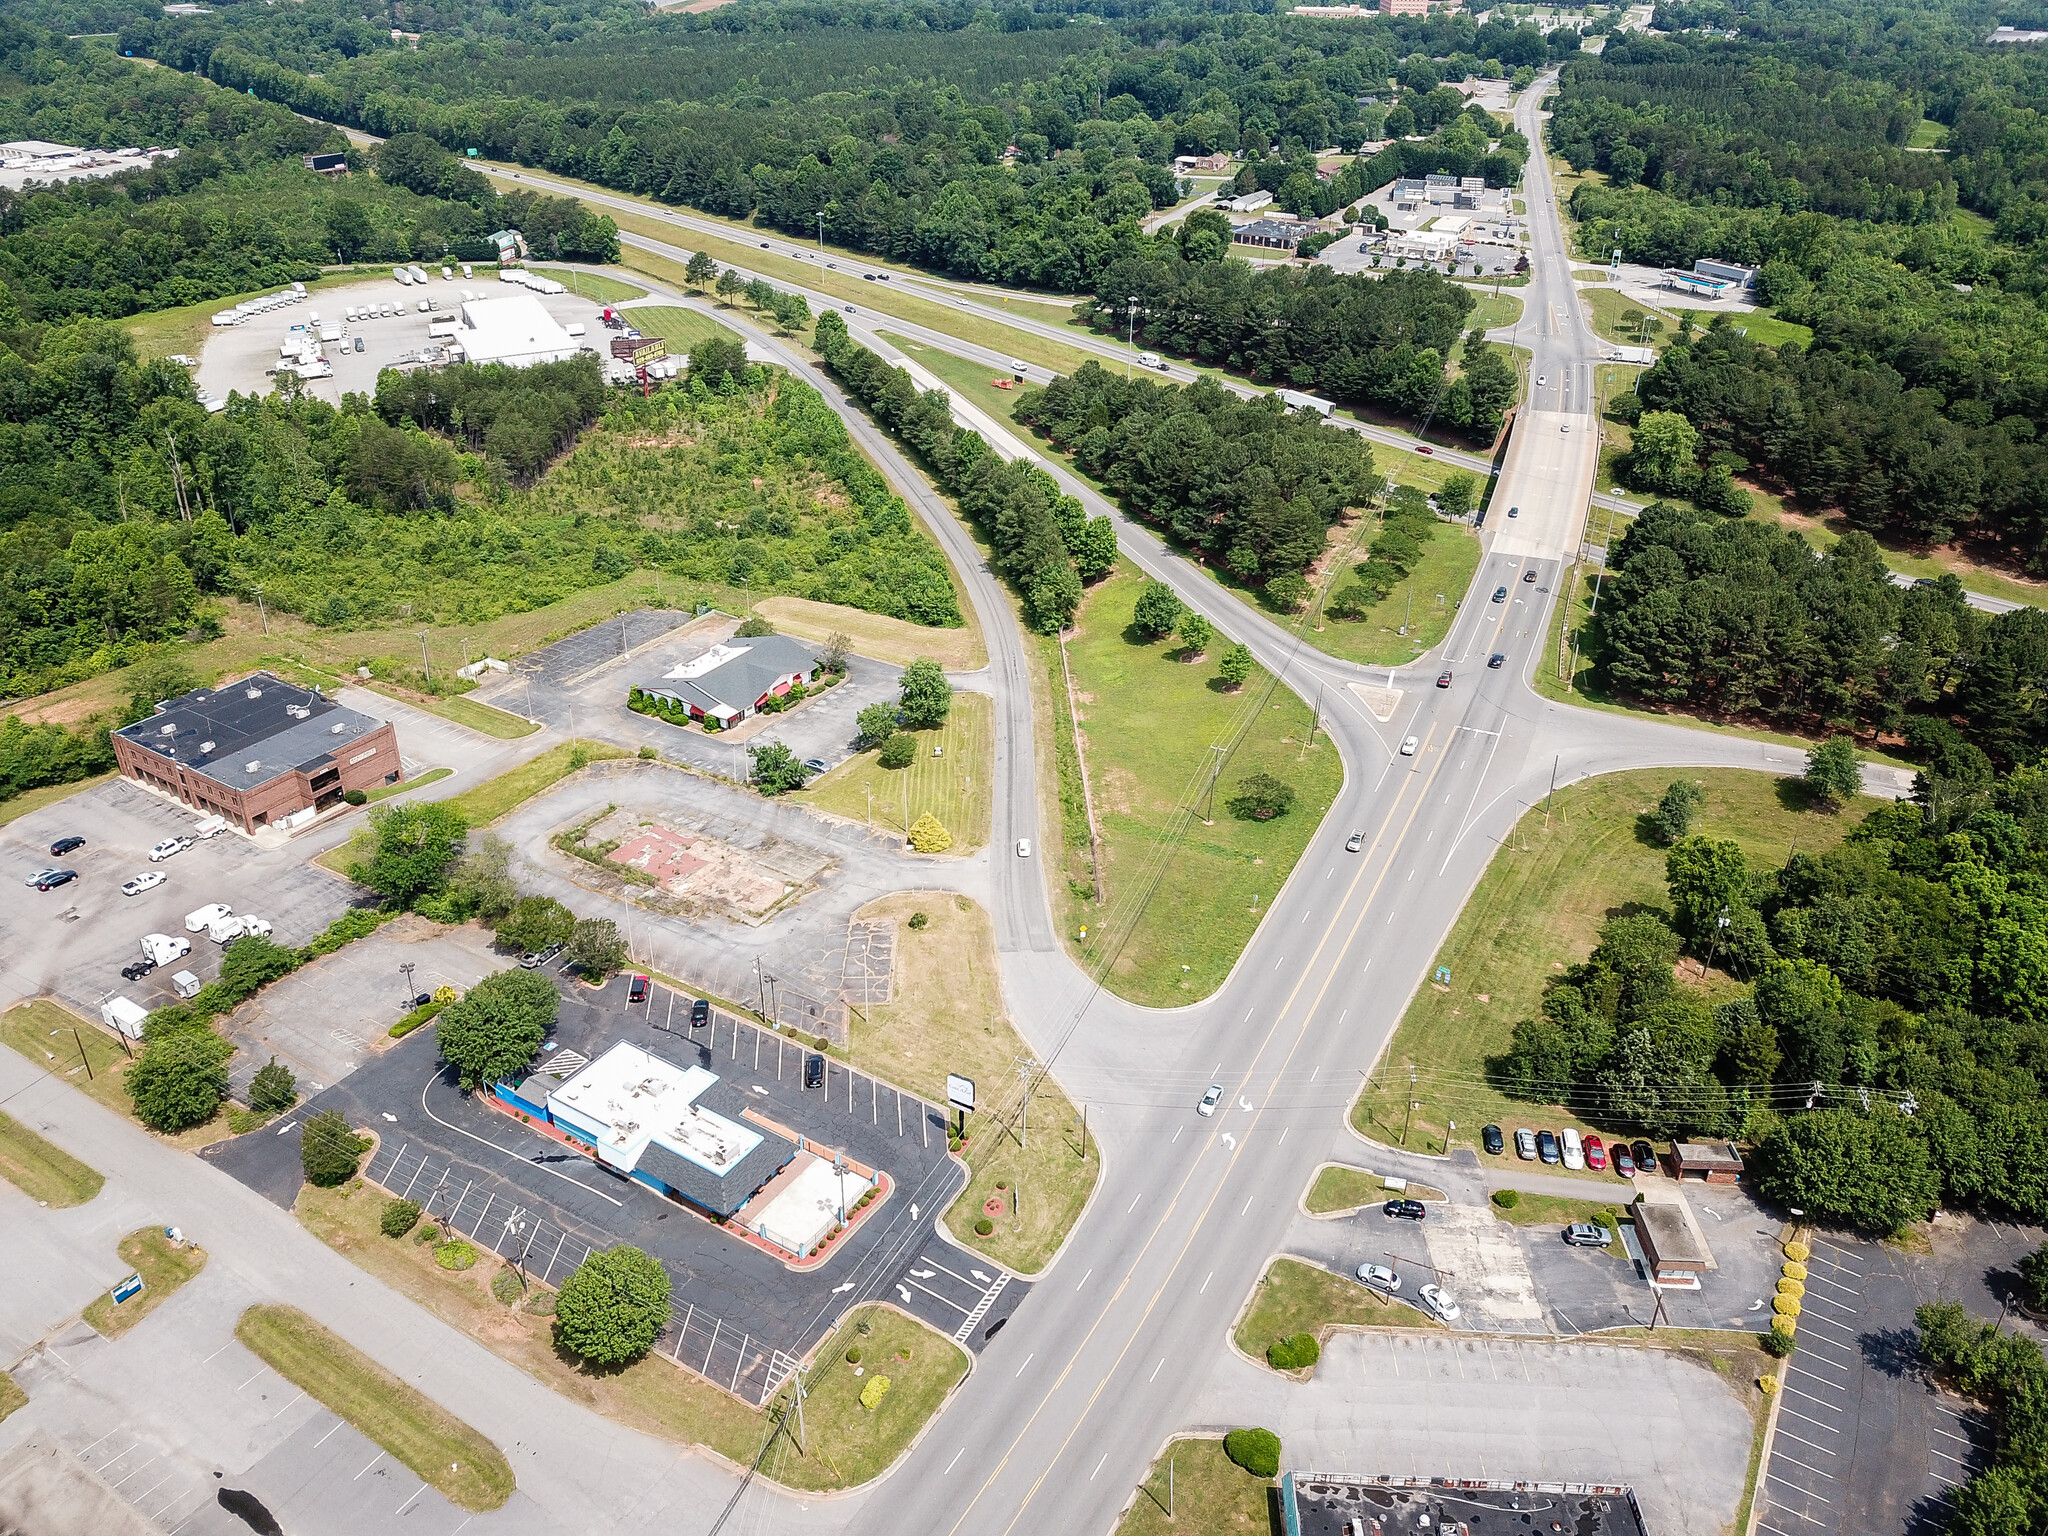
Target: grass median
x: 496, y: 797
x: 442, y: 1451
x: 600, y: 286
x: 1538, y: 908
x: 1338, y: 1188
x: 952, y: 777
x: 1294, y: 1296
x: 164, y: 1267
x: 64, y: 1045
x: 44, y: 1172
x: 487, y: 718
x: 1210, y: 1495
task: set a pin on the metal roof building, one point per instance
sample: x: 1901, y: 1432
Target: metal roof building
x: 515, y: 330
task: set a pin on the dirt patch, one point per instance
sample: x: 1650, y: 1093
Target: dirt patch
x: 636, y: 855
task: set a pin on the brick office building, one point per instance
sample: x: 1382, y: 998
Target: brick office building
x: 258, y: 751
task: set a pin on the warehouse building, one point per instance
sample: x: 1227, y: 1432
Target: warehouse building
x: 515, y: 330
x: 259, y: 751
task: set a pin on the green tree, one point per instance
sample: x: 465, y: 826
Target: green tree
x: 415, y: 843
x: 481, y: 882
x: 329, y: 1149
x: 180, y: 1079
x: 597, y: 948
x: 1195, y: 633
x: 776, y: 769
x: 877, y: 723
x: 398, y: 1217
x: 718, y: 361
x: 1286, y: 594
x: 927, y: 697
x: 1665, y: 446
x: 496, y: 1029
x: 1261, y: 797
x: 614, y: 1307
x: 730, y: 284
x: 348, y: 228
x: 273, y: 1088
x: 1158, y: 610
x: 2034, y: 1277
x: 752, y: 627
x: 1095, y: 550
x: 701, y: 270
x: 1834, y: 773
x: 156, y: 682
x: 1458, y: 494
x: 1706, y: 877
x: 1235, y: 667
x: 536, y: 923
x: 1868, y: 1171
x: 898, y: 750
x: 1676, y: 812
x: 252, y: 962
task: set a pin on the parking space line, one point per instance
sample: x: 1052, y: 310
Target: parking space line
x: 1824, y: 1360
x: 1819, y: 1401
x: 287, y: 1407
x: 1832, y: 1429
x: 1961, y: 1461
x: 116, y: 1429
x: 244, y: 1386
x: 330, y: 1434
x: 1800, y: 1513
x: 133, y: 1470
x: 373, y: 1461
x: 1821, y: 1380
x: 1950, y: 1435
x: 1807, y: 1491
x: 1805, y: 1442
x: 1813, y: 1279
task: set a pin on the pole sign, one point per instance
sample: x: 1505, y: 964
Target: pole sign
x: 960, y: 1092
x: 125, y: 1289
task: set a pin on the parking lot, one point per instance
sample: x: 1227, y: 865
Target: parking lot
x: 71, y: 942
x: 741, y: 1317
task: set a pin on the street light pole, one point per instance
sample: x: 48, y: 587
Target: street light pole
x: 425, y: 665
x: 407, y: 969
x: 1130, y: 333
x: 262, y: 611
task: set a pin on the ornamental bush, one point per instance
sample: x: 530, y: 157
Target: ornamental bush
x: 899, y: 751
x: 329, y: 1149
x: 1507, y: 1199
x: 1777, y: 1344
x: 1791, y: 1288
x: 1256, y: 1450
x: 1797, y: 1252
x: 1785, y: 1306
x: 871, y: 1395
x: 1792, y: 1271
x: 1295, y: 1353
x: 983, y: 1227
x: 928, y: 835
x: 455, y: 1254
x: 398, y: 1218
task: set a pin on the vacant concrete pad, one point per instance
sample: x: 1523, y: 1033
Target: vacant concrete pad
x: 45, y: 1491
x: 1484, y: 1268
x: 1437, y: 1404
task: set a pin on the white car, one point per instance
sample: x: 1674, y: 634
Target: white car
x: 1440, y: 1303
x: 1210, y: 1100
x: 1573, y: 1150
x: 167, y: 847
x: 1408, y: 747
x: 1380, y: 1278
x: 141, y: 883
x: 1542, y: 379
x: 1023, y: 847
x: 39, y: 877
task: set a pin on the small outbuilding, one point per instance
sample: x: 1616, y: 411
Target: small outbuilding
x: 1711, y: 1162
x: 1673, y: 1253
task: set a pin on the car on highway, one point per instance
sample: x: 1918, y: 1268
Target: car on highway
x: 64, y: 845
x: 141, y: 883
x: 1645, y: 1156
x: 1425, y: 448
x: 1409, y: 745
x: 168, y: 847
x: 700, y: 1013
x: 1546, y: 1146
x: 1528, y: 575
x: 1380, y: 1278
x: 1495, y: 661
x: 1023, y: 847
x: 1573, y: 1150
x: 1624, y: 1164
x: 52, y: 878
x: 1404, y: 1210
x: 1566, y: 428
x: 1525, y: 1144
x: 1210, y: 1100
x: 1596, y: 1153
x: 1587, y: 1234
x: 1354, y: 842
x: 1514, y: 511
x: 1439, y: 1302
x: 814, y: 1070
x: 1491, y: 1139
x: 636, y: 992
x: 1443, y: 678
x: 1500, y: 594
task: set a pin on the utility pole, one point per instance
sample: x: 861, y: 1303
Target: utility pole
x: 87, y: 1060
x: 425, y: 665
x: 261, y: 610
x: 1410, y: 1115
x: 1130, y: 333
x: 1553, y: 789
x: 1169, y: 1485
x: 1025, y: 1067
x: 1215, y: 768
x: 821, y: 229
x: 797, y: 1391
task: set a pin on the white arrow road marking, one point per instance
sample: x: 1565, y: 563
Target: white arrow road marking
x: 1244, y: 1104
x: 904, y: 1292
x: 1229, y: 1141
x: 922, y: 1274
x: 838, y: 1289
x: 984, y: 1279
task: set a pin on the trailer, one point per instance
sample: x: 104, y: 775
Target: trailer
x: 124, y: 1017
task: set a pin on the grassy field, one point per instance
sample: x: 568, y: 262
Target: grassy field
x: 163, y: 332
x: 652, y: 1395
x: 954, y: 786
x: 1212, y: 1496
x: 681, y: 328
x: 1537, y: 909
x: 592, y: 285
x: 976, y: 382
x: 45, y: 1173
x: 1147, y: 723
x: 441, y: 1450
x: 1493, y: 311
x: 896, y: 641
x: 50, y: 794
x: 163, y: 1267
x: 494, y: 797
x: 1426, y: 602
x: 846, y: 1444
x: 386, y: 791
x: 11, y: 1395
x: 1604, y: 306
x: 478, y: 716
x: 1759, y: 326
x: 43, y: 1032
x: 1294, y: 1296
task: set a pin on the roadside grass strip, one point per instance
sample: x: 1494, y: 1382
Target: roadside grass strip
x: 45, y: 1173
x: 439, y: 1448
x: 1210, y: 1493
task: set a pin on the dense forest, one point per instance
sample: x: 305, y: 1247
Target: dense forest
x: 1890, y: 1049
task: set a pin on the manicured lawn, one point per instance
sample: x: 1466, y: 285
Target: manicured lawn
x: 35, y: 799
x: 681, y: 328
x: 44, y: 1172
x: 1494, y: 311
x: 1296, y: 1297
x: 1556, y: 1211
x: 1171, y: 930
x: 1211, y: 1496
x: 11, y: 1395
x: 440, y: 1449
x: 955, y: 785
x: 386, y: 791
x: 1337, y: 1188
x: 43, y: 1032
x: 1537, y: 909
x: 845, y: 1444
x: 592, y: 285
x: 164, y: 1267
x: 1928, y: 134
x: 494, y: 797
x: 1759, y: 326
x: 897, y: 641
x: 1605, y: 306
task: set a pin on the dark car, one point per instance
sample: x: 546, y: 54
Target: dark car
x: 637, y: 992
x: 1644, y: 1154
x: 1528, y: 575
x: 1491, y: 1139
x: 1404, y: 1210
x: 1546, y: 1147
x: 1514, y: 511
x: 1500, y: 594
x: 420, y: 1000
x: 814, y: 1071
x: 1443, y: 678
x: 64, y: 845
x: 1624, y: 1164
x: 52, y: 878
x: 1494, y: 662
x: 700, y: 1014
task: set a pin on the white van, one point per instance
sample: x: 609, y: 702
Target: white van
x: 1574, y: 1150
x: 1151, y: 360
x: 204, y: 919
x: 210, y: 826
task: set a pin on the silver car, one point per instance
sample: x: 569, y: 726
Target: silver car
x: 1380, y: 1278
x: 1440, y: 1303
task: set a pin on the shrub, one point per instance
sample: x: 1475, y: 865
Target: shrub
x: 180, y: 1079
x: 1777, y: 1343
x: 399, y: 1218
x: 871, y: 1395
x: 647, y: 754
x: 273, y: 1088
x: 242, y: 1121
x: 506, y: 1285
x: 455, y: 1254
x: 1785, y: 1325
x: 853, y: 1355
x: 1256, y: 1450
x: 918, y: 920
x: 329, y: 1149
x: 753, y: 627
x: 614, y: 1307
x: 1797, y: 1252
x: 427, y: 1234
x: 1785, y: 1306
x: 355, y: 797
x: 412, y: 1021
x: 928, y: 835
x: 1507, y: 1199
x: 1294, y: 1354
x: 1791, y: 1288
x: 899, y: 751
x: 1794, y: 1271
x: 983, y: 1227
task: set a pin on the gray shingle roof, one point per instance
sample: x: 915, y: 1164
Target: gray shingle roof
x: 699, y: 1184
x: 739, y: 683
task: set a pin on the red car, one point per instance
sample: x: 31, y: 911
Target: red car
x: 1596, y: 1152
x: 1425, y: 448
x: 1443, y: 679
x: 637, y: 993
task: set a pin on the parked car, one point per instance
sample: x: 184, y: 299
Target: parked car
x: 167, y: 847
x: 700, y: 1013
x: 38, y: 876
x: 1354, y: 842
x: 533, y: 960
x: 1624, y: 1164
x: 1645, y: 1156
x: 64, y: 845
x: 1380, y: 1278
x: 1525, y: 1144
x: 141, y: 883
x: 1408, y: 746
x: 1546, y: 1146
x: 636, y: 991
x: 814, y: 1071
x: 815, y: 764
x: 1596, y: 1153
x: 52, y: 878
x: 1490, y: 1138
x: 1439, y: 1302
x: 1573, y: 1150
x: 1587, y: 1234
x: 418, y: 1000
x: 1404, y: 1210
x: 1210, y: 1100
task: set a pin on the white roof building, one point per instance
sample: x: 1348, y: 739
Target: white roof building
x: 516, y: 330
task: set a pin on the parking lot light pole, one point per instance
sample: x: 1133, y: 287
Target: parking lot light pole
x: 407, y: 969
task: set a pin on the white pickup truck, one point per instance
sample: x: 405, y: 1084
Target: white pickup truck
x: 202, y: 921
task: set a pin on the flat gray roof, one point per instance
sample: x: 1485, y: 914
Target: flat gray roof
x: 248, y: 732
